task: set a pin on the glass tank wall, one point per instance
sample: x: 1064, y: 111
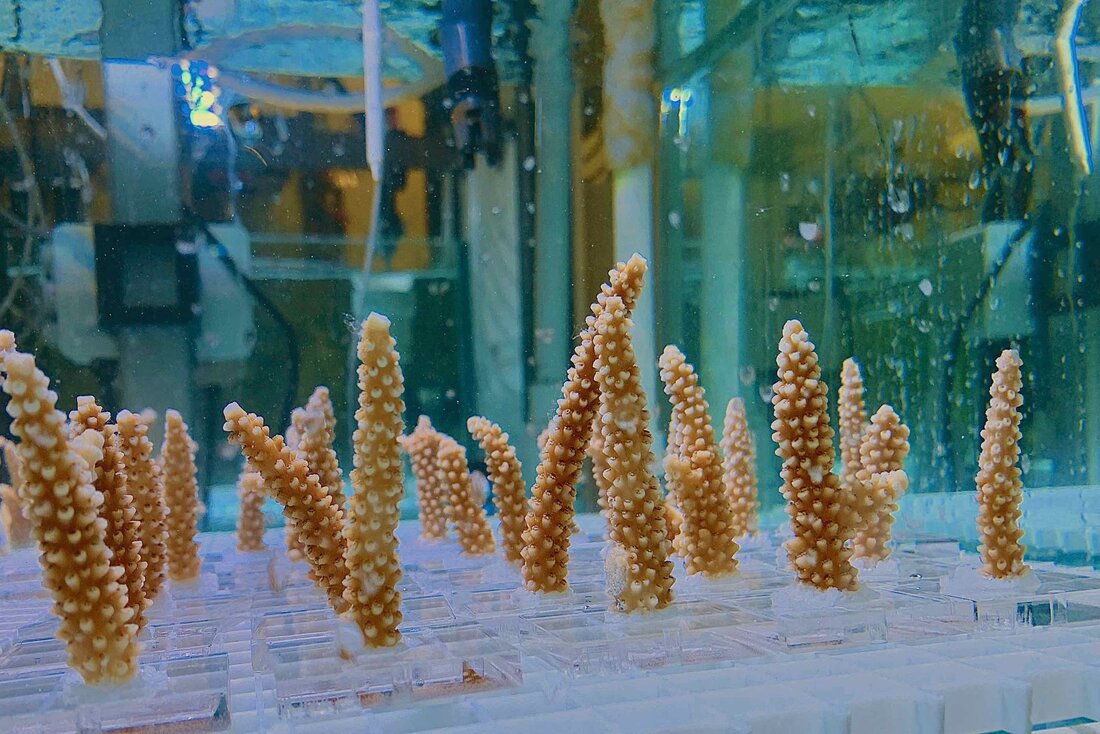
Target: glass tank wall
x: 912, y: 180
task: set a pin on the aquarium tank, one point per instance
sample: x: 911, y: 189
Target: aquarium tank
x: 212, y: 203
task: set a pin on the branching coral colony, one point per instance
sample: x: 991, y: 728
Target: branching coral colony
x: 550, y: 520
x: 123, y: 531
x: 95, y: 619
x: 17, y: 525
x: 694, y: 470
x: 821, y: 516
x: 635, y: 509
x: 146, y: 486
x: 739, y: 469
x: 1000, y: 490
x: 878, y: 483
x: 181, y: 495
x: 371, y: 523
x: 508, y: 489
x: 431, y: 493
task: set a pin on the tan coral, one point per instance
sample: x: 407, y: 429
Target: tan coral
x: 181, y: 495
x: 288, y: 480
x: 739, y: 469
x: 550, y: 521
x: 1000, y: 491
x: 17, y: 524
x: 431, y: 494
x: 635, y: 507
x: 694, y: 473
x: 123, y: 532
x: 673, y: 518
x: 145, y: 483
x: 599, y: 470
x: 250, y: 519
x: 474, y: 535
x: 882, y: 451
x: 95, y: 621
x: 316, y: 446
x: 883, y: 489
x: 821, y: 517
x: 295, y: 551
x: 853, y: 423
x: 374, y: 570
x: 509, y: 492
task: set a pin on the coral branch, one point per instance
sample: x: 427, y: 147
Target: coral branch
x: 250, y: 520
x: 635, y: 507
x: 288, y: 480
x: 315, y: 446
x: 123, y: 531
x: 694, y: 473
x: 374, y: 570
x: 431, y: 494
x: 144, y: 481
x: 16, y: 522
x: 506, y: 474
x: 1000, y: 490
x: 853, y: 423
x: 882, y: 452
x: 468, y: 517
x: 821, y: 515
x: 739, y: 469
x: 181, y: 495
x: 96, y: 623
x: 550, y: 520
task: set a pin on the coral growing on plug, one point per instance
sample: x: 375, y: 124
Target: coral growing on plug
x: 821, y: 517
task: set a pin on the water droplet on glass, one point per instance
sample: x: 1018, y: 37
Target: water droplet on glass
x: 765, y: 393
x: 496, y: 211
x: 898, y: 198
x: 809, y: 231
x: 747, y: 374
x: 529, y: 163
x: 674, y: 219
x: 773, y: 303
x: 926, y: 287
x: 814, y: 286
x: 784, y: 182
x: 811, y: 110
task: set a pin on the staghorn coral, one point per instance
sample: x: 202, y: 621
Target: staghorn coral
x: 431, y: 494
x: 635, y: 508
x: 374, y: 570
x: 883, y: 490
x: 550, y: 520
x: 250, y: 520
x: 468, y: 517
x: 17, y: 525
x: 739, y: 469
x: 821, y: 517
x: 295, y: 551
x: 95, y: 621
x: 1000, y: 490
x: 853, y: 423
x: 123, y: 531
x: 508, y: 488
x: 882, y: 451
x: 315, y: 445
x: 287, y: 478
x: 181, y: 495
x: 144, y: 481
x: 694, y: 473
